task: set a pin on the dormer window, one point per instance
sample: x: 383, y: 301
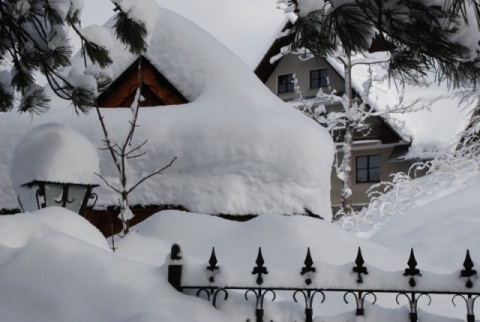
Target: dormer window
x: 285, y: 84
x: 318, y: 78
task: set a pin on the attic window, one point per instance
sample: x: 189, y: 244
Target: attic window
x: 318, y: 78
x: 285, y: 84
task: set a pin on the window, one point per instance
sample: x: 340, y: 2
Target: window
x: 285, y: 83
x: 368, y: 168
x: 318, y: 78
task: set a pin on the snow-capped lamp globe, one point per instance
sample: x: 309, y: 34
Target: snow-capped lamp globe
x: 54, y: 165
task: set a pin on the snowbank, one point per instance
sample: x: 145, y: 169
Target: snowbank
x: 56, y: 266
x: 240, y: 149
x: 441, y: 225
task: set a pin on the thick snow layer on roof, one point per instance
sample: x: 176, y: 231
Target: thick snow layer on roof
x: 56, y: 153
x: 240, y: 149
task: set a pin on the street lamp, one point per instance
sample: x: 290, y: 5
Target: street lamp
x: 54, y: 165
x: 72, y: 196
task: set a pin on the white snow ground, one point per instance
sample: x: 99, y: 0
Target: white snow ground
x: 54, y: 266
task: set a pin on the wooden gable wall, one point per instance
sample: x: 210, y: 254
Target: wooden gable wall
x: 156, y: 89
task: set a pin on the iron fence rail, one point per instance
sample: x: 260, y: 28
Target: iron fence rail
x: 361, y: 283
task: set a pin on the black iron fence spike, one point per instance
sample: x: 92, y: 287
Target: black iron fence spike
x: 412, y: 269
x: 259, y: 269
x: 260, y: 261
x: 412, y: 262
x: 213, y: 261
x: 468, y: 265
x: 308, y: 263
x: 359, y: 260
x: 359, y: 268
x: 468, y: 272
x: 212, y: 267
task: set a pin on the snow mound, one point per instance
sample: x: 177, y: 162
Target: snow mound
x: 284, y: 241
x: 22, y: 229
x: 442, y: 227
x: 56, y: 153
x: 54, y: 266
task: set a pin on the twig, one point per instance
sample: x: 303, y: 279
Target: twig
x: 152, y: 174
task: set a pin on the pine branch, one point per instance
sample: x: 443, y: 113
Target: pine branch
x: 6, y: 99
x: 34, y: 100
x: 129, y: 31
x: 97, y: 54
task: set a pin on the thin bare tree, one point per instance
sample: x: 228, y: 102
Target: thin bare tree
x: 121, y: 153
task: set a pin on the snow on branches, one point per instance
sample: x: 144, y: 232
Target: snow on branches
x: 442, y: 35
x: 34, y: 38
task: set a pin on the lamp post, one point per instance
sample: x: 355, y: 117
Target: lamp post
x: 54, y: 165
x: 72, y: 196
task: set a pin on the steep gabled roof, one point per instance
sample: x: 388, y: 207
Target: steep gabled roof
x: 435, y: 127
x: 265, y: 65
x: 270, y: 60
x: 156, y: 89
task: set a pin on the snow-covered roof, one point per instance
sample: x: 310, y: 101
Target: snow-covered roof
x: 240, y: 149
x: 56, y: 153
x: 435, y: 127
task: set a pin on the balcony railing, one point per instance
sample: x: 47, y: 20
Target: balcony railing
x: 371, y: 132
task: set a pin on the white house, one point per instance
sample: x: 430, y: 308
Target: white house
x: 240, y: 150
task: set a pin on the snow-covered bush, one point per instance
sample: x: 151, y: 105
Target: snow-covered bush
x: 451, y: 169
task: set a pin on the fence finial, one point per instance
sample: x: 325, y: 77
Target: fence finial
x: 360, y: 269
x: 259, y: 269
x: 308, y: 268
x: 213, y: 267
x: 468, y: 271
x: 412, y: 270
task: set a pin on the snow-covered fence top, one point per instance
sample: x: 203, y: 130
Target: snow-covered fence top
x: 356, y: 279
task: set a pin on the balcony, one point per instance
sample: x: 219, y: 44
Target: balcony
x: 379, y: 132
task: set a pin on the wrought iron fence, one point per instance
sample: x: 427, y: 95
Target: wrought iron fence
x: 313, y: 280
